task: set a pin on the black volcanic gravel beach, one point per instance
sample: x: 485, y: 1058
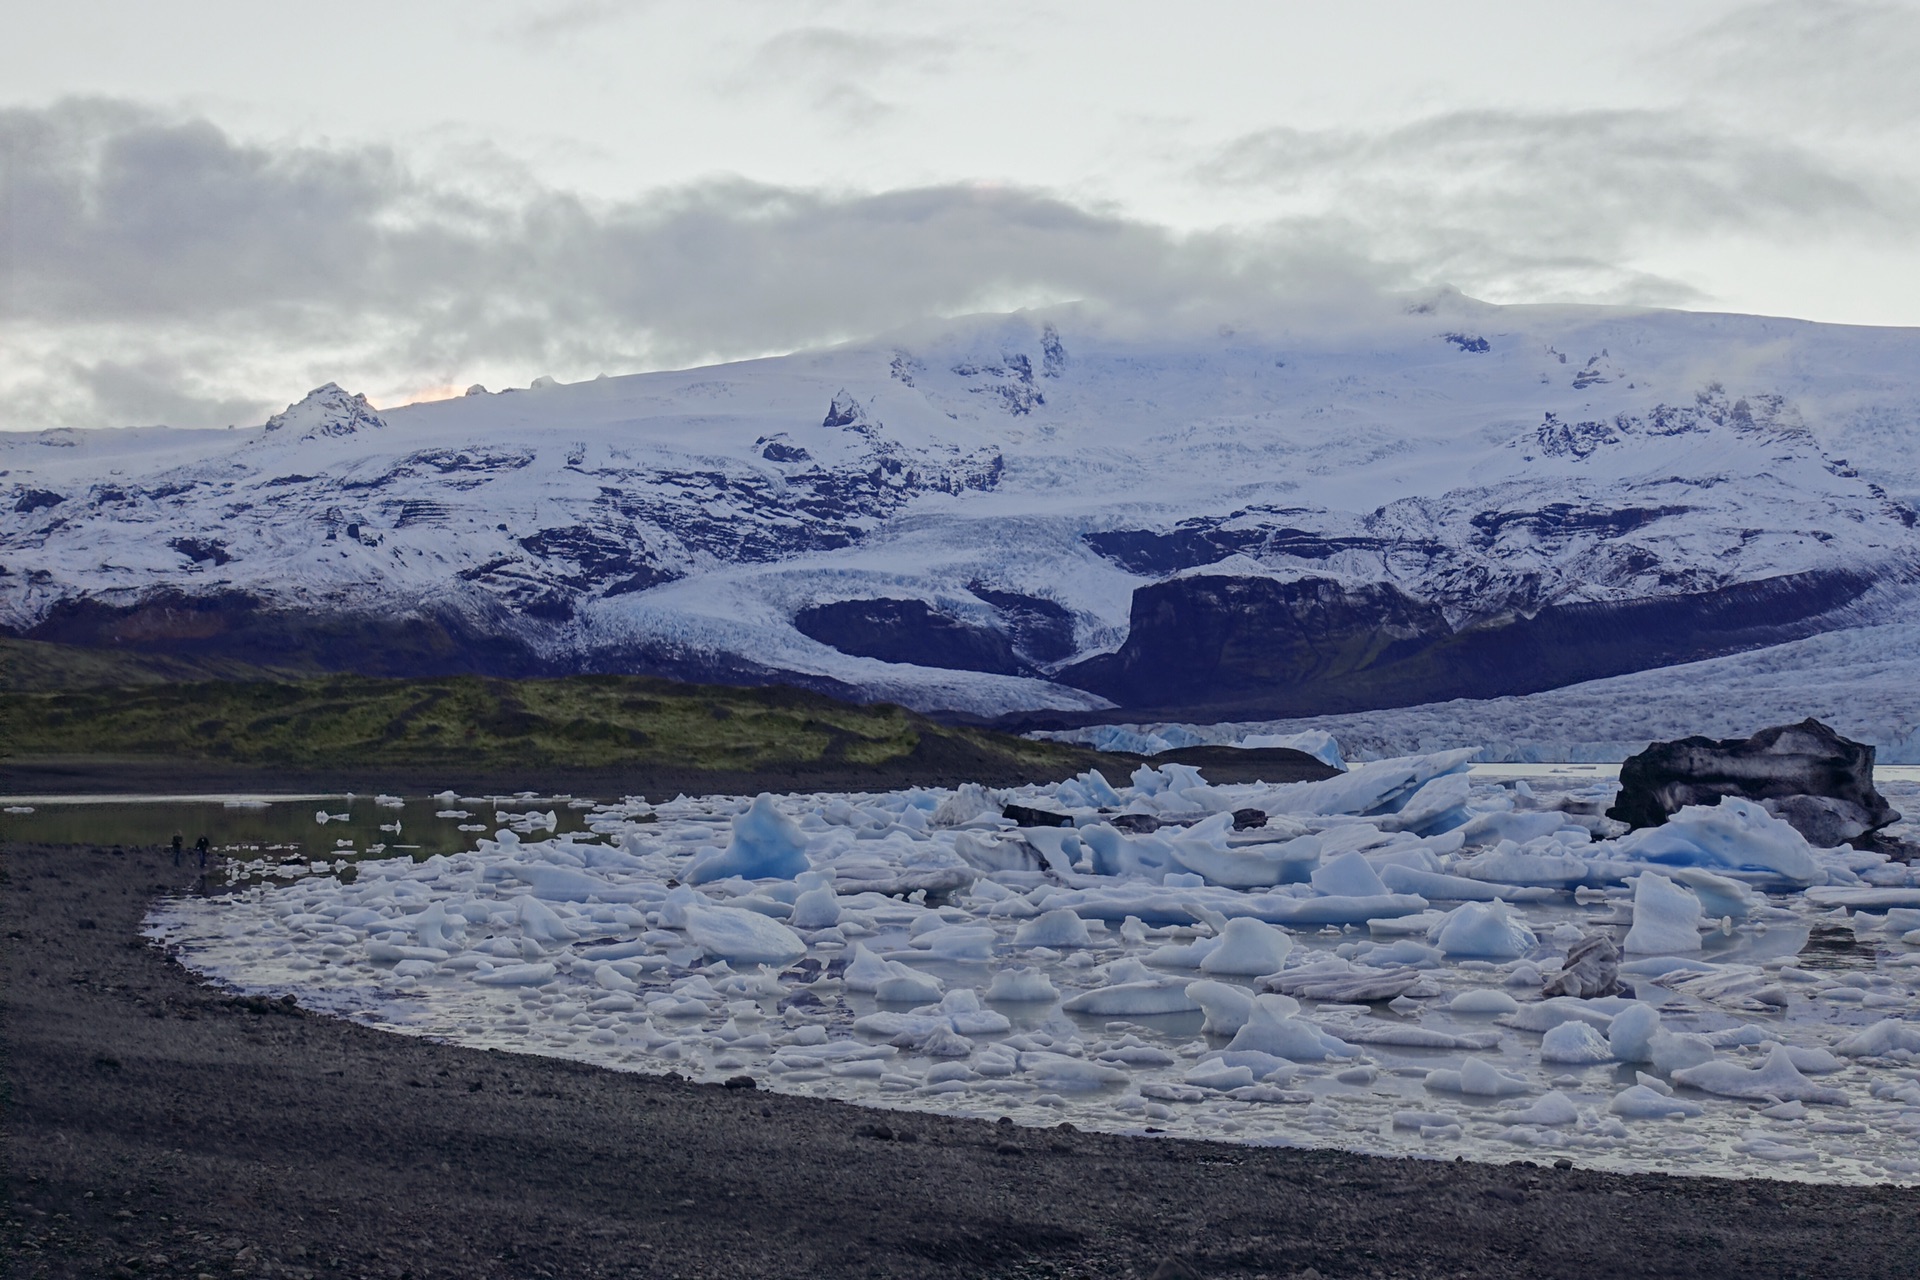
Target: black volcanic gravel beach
x: 157, y: 1127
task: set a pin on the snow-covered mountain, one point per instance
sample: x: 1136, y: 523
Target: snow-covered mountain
x: 1034, y: 513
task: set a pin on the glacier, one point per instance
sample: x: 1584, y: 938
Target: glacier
x: 1041, y: 516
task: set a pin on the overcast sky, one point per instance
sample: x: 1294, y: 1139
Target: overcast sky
x: 209, y: 206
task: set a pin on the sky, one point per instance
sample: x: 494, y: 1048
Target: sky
x: 208, y: 207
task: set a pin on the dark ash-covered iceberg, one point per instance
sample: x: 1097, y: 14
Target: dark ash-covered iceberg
x: 1804, y: 773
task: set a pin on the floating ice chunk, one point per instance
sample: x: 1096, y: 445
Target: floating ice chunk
x: 392, y: 953
x: 1666, y: 917
x: 1057, y: 928
x: 1436, y: 806
x: 1508, y: 863
x: 1401, y: 951
x: 1734, y: 833
x: 539, y: 921
x: 611, y: 979
x: 1672, y: 1051
x: 1248, y: 948
x: 1069, y: 1075
x: 1349, y: 875
x: 986, y: 854
x: 1776, y: 1078
x: 1331, y: 978
x: 1591, y: 968
x: 1479, y: 1078
x: 1548, y: 1014
x: 1808, y: 1060
x: 515, y: 975
x: 815, y: 909
x: 1339, y: 909
x: 1134, y: 999
x: 1630, y: 1037
x: 1248, y: 866
x: 1119, y: 855
x: 962, y: 1008
x: 1575, y: 1043
x: 1020, y: 985
x: 1518, y: 827
x: 743, y: 937
x: 1227, y: 1007
x: 865, y: 971
x: 1381, y: 787
x: 907, y: 986
x: 1552, y: 1109
x: 1638, y: 1102
x: 1219, y: 1076
x: 1719, y: 896
x: 1098, y: 792
x: 766, y: 845
x: 959, y: 942
x: 1187, y: 955
x: 1447, y: 888
x: 431, y: 927
x: 1881, y: 1039
x: 1272, y: 1028
x: 568, y: 884
x: 1485, y: 1000
x: 1483, y: 929
x: 970, y: 801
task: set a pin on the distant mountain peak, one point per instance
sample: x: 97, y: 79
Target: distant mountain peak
x: 328, y: 410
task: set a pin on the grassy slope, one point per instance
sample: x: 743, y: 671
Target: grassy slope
x: 35, y: 666
x: 503, y: 727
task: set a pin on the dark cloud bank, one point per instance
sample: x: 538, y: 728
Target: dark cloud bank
x: 155, y: 268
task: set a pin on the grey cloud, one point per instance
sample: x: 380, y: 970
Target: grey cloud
x: 1537, y: 201
x: 140, y: 243
x: 834, y: 70
x: 1811, y: 64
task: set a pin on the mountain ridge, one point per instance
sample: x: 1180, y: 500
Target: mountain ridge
x: 1464, y: 500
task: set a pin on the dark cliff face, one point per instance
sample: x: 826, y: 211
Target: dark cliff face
x: 1233, y: 647
x: 1205, y: 639
x: 908, y: 631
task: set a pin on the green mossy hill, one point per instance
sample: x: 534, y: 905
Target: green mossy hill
x: 36, y: 666
x: 505, y: 727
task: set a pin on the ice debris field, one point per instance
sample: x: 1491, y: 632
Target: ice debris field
x: 1405, y: 958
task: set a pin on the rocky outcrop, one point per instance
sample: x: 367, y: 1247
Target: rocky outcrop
x: 907, y: 631
x: 1238, y: 647
x: 1804, y: 773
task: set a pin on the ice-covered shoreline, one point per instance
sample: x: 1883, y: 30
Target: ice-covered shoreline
x: 1362, y: 970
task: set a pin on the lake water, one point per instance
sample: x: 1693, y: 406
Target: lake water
x: 287, y: 828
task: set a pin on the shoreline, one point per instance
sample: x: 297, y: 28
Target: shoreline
x: 106, y: 775
x: 166, y: 1119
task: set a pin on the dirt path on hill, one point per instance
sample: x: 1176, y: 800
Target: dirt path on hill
x: 156, y: 1127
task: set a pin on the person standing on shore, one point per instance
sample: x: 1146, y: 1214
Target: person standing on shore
x: 200, y: 846
x: 178, y: 841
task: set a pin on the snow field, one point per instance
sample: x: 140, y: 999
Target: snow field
x: 1365, y: 971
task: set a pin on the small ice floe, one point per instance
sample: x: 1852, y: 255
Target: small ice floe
x: 1777, y: 1078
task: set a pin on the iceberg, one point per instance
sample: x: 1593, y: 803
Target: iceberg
x: 1776, y: 1078
x: 743, y: 937
x: 1248, y: 948
x: 1666, y: 917
x: 766, y: 845
x: 1736, y: 834
x: 1483, y: 930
